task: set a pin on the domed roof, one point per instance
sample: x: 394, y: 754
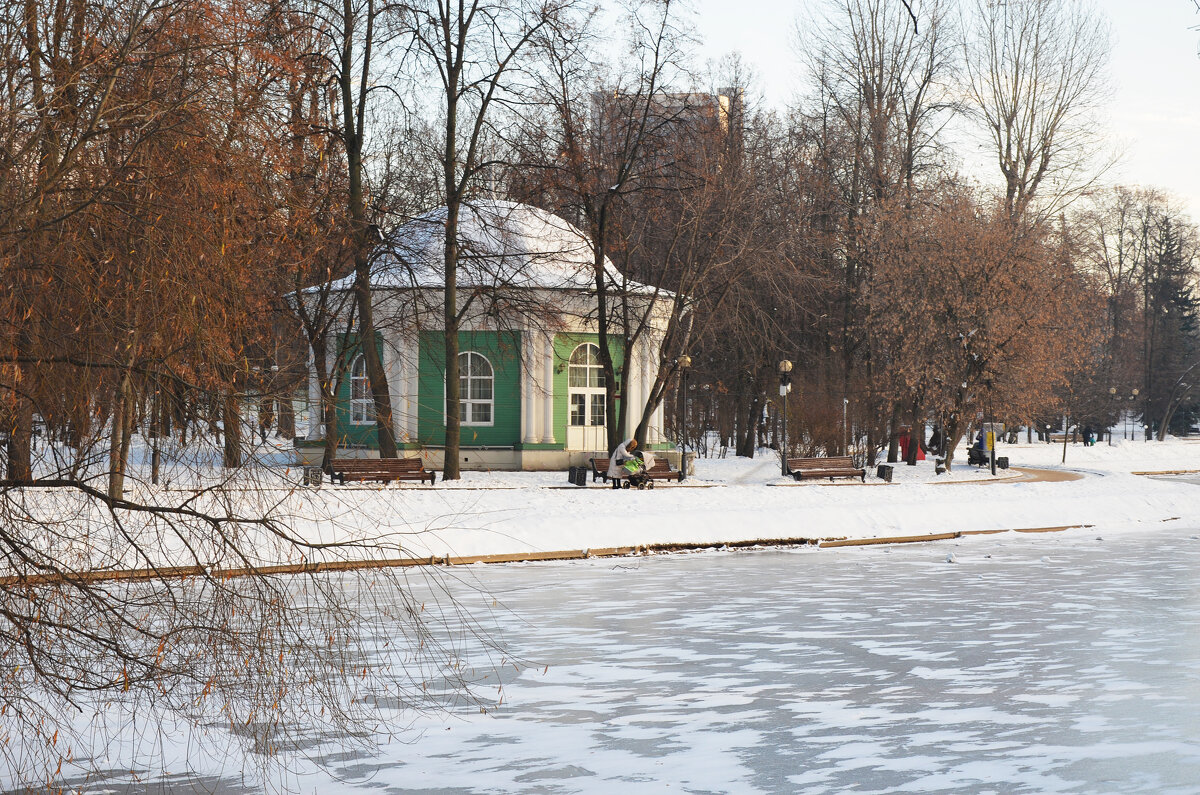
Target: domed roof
x: 503, y: 244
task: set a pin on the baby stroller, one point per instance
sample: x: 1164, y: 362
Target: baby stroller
x: 636, y: 472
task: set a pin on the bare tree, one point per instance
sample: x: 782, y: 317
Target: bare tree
x: 140, y: 178
x: 474, y: 49
x: 882, y: 86
x: 611, y: 131
x: 1035, y: 75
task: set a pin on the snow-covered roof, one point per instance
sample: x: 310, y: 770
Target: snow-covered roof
x: 502, y: 244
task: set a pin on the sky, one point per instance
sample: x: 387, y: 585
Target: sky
x: 1153, y: 118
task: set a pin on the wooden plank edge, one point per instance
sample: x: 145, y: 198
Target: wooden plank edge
x: 183, y: 572
x: 862, y: 542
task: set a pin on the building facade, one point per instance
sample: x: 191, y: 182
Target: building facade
x: 531, y: 383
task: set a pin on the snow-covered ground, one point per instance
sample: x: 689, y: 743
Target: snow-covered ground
x: 1009, y: 662
x: 729, y: 500
x: 733, y: 500
x: 1030, y: 664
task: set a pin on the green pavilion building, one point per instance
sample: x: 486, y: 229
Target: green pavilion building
x: 532, y: 385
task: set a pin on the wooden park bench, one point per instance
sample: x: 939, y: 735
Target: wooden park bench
x: 384, y: 470
x: 659, y: 470
x: 599, y: 469
x: 831, y: 467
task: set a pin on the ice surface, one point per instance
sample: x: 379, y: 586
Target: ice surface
x: 857, y: 669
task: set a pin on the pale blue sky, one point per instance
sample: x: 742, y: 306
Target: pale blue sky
x: 1153, y: 116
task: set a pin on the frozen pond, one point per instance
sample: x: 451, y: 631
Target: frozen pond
x: 1033, y: 663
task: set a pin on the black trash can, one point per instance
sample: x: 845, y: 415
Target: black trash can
x: 571, y: 472
x: 884, y: 472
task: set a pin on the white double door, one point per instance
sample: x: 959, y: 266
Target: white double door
x: 586, y: 427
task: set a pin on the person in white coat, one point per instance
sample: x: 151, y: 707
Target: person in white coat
x: 624, y: 452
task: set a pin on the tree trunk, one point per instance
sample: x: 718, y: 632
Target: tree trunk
x: 450, y: 465
x: 893, y: 453
x: 117, y: 448
x: 746, y: 430
x: 953, y: 433
x: 20, y: 442
x: 327, y: 410
x: 287, y: 419
x: 384, y: 427
x: 231, y: 452
x: 916, y: 435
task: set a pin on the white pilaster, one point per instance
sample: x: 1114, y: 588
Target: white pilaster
x: 413, y: 359
x: 391, y: 369
x: 528, y: 388
x: 548, y: 391
x: 632, y: 389
x: 646, y: 380
x: 316, y: 429
x: 656, y: 424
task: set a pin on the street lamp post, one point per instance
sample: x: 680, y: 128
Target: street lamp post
x: 846, y: 428
x: 1132, y: 397
x: 1112, y: 396
x: 990, y: 436
x: 785, y: 386
x: 684, y: 362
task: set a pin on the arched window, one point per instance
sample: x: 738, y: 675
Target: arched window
x: 362, y: 403
x: 585, y: 382
x: 475, y: 394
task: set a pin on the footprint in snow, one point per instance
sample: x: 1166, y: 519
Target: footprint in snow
x: 1045, y: 559
x: 951, y: 558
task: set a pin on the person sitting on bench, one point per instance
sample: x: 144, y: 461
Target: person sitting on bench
x: 616, y: 461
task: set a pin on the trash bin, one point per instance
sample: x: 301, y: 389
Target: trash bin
x: 884, y: 472
x: 313, y: 476
x: 1002, y: 462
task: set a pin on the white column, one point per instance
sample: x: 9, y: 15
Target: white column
x: 403, y: 407
x: 391, y: 369
x: 656, y: 424
x: 315, y: 426
x: 548, y: 391
x: 646, y: 381
x: 413, y: 358
x: 633, y: 388
x: 528, y: 387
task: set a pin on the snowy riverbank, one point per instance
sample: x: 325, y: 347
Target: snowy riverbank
x: 739, y: 499
x: 728, y: 501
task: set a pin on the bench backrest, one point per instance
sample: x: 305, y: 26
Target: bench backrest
x: 659, y: 465
x: 831, y: 462
x: 378, y: 465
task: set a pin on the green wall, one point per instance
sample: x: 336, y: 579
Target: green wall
x: 564, y: 346
x: 501, y: 349
x: 352, y: 434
